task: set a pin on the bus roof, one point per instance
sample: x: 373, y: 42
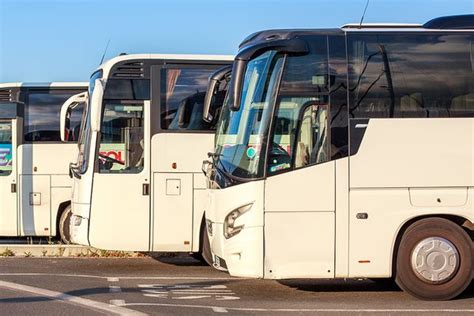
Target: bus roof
x: 457, y: 23
x: 107, y: 66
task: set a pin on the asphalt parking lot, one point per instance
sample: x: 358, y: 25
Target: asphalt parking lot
x: 183, y: 286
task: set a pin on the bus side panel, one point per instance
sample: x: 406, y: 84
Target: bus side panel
x: 401, y: 169
x: 42, y: 167
x: 300, y: 223
x: 35, y: 205
x: 178, y: 156
x: 342, y: 218
x: 172, y: 216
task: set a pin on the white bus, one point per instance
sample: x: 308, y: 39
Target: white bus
x: 349, y: 153
x: 138, y: 183
x: 35, y: 190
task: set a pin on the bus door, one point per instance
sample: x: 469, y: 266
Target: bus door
x: 8, y: 174
x: 120, y: 209
x: 300, y: 192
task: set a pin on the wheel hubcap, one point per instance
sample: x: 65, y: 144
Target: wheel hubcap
x: 435, y: 259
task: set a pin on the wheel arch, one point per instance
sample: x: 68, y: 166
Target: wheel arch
x: 62, y: 206
x: 461, y: 221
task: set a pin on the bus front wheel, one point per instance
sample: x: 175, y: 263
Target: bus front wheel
x: 434, y: 260
x: 64, y: 220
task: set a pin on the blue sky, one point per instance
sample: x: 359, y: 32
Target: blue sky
x: 63, y: 40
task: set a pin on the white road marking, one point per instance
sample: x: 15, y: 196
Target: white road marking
x: 117, y: 302
x: 309, y: 310
x: 219, y: 310
x: 218, y: 292
x: 113, y: 279
x: 86, y: 303
x: 191, y: 297
x: 114, y: 289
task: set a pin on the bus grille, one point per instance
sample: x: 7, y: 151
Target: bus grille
x: 129, y: 70
x: 5, y: 95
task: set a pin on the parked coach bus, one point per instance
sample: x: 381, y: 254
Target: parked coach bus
x: 138, y: 183
x: 35, y: 190
x: 348, y: 153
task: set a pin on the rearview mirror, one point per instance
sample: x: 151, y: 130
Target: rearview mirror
x: 96, y: 105
x: 65, y: 114
x: 208, y: 112
x: 236, y: 83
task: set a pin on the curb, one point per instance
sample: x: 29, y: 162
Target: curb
x: 59, y: 250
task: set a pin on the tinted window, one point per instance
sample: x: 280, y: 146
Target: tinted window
x: 8, y: 110
x: 338, y: 96
x: 127, y: 89
x: 183, y: 92
x: 42, y: 114
x: 75, y: 122
x: 308, y: 73
x: 411, y: 75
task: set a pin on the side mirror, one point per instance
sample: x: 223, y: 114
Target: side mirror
x: 65, y: 114
x: 212, y: 90
x: 96, y: 105
x: 234, y: 95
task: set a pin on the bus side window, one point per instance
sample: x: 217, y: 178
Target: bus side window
x: 312, y: 145
x: 5, y: 148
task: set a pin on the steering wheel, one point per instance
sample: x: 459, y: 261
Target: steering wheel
x: 108, y: 158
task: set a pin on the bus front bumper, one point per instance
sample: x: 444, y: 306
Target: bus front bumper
x: 243, y: 253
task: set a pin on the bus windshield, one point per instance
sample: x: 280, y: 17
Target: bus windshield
x: 85, y: 132
x: 242, y: 135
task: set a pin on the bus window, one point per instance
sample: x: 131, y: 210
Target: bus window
x: 300, y: 134
x: 42, y: 115
x: 75, y: 122
x: 183, y: 92
x: 394, y: 75
x: 121, y: 147
x: 5, y: 148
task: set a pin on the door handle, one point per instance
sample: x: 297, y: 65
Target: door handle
x: 13, y: 187
x: 145, y: 189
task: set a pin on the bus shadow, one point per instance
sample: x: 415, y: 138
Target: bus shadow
x: 348, y: 285
x: 177, y: 259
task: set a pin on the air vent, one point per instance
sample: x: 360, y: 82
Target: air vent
x: 460, y: 22
x: 129, y: 70
x: 5, y: 95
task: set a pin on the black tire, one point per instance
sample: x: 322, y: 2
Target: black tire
x: 64, y: 220
x: 206, y: 246
x: 406, y: 277
x: 204, y: 255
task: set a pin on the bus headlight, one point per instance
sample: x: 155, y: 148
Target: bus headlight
x: 230, y: 229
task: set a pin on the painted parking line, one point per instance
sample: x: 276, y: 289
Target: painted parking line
x: 79, y: 301
x: 218, y: 292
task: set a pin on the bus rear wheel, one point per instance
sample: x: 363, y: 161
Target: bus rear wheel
x: 64, y: 220
x: 434, y: 260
